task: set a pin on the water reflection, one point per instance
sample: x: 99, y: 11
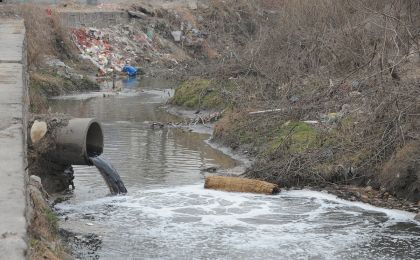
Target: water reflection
x: 130, y: 82
x: 144, y: 157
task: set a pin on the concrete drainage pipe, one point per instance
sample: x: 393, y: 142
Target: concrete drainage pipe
x: 80, y: 139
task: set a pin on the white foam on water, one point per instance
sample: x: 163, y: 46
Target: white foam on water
x: 84, y: 96
x: 394, y: 214
x: 171, y: 199
x: 296, y: 223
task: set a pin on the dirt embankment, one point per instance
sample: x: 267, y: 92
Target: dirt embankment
x: 55, y: 177
x: 322, y: 94
x: 54, y: 64
x: 44, y: 242
x: 47, y: 178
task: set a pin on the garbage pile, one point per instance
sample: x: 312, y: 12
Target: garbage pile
x: 139, y: 41
x: 115, y: 47
x: 94, y: 46
x: 189, y: 35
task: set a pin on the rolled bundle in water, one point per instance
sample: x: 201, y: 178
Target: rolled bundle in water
x: 237, y: 184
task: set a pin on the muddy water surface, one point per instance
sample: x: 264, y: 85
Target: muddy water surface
x: 168, y: 215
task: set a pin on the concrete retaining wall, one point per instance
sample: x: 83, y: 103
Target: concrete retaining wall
x: 13, y: 112
x: 89, y: 2
x: 47, y: 1
x: 98, y: 19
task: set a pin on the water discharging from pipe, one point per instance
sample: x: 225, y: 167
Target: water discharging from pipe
x: 179, y: 219
x: 110, y: 174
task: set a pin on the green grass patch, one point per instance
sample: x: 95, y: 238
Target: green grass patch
x: 198, y: 94
x: 46, y: 83
x: 51, y: 218
x: 294, y: 136
x: 33, y: 243
x: 264, y: 135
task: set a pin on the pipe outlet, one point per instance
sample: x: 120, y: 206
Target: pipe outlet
x: 80, y: 139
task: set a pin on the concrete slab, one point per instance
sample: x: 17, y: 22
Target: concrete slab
x: 12, y: 194
x: 10, y: 80
x: 12, y: 34
x: 11, y: 115
x: 12, y: 153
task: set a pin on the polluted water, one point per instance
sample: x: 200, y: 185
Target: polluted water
x: 110, y: 174
x: 169, y: 215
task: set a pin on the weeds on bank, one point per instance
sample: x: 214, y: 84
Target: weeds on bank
x: 46, y: 38
x: 314, y: 60
x: 52, y: 219
x: 45, y: 34
x: 200, y: 93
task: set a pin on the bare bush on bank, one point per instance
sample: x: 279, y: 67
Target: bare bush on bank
x: 46, y: 36
x: 334, y: 40
x: 312, y: 58
x: 48, y: 40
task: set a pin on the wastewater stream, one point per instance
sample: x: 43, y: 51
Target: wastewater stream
x: 167, y: 214
x: 109, y: 174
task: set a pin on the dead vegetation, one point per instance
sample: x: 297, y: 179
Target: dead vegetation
x: 43, y: 228
x: 46, y: 36
x: 352, y: 67
x: 48, y: 41
x: 46, y: 83
x: 401, y: 174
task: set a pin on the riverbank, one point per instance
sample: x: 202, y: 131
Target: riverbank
x: 367, y: 194
x: 310, y: 116
x: 205, y: 121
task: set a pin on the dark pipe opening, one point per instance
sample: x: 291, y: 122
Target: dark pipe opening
x: 94, y: 140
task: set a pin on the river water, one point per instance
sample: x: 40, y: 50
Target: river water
x: 167, y: 214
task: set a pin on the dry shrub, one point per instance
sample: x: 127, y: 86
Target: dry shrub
x: 231, y: 24
x: 46, y: 36
x: 333, y: 38
x: 64, y: 46
x: 285, y: 42
x: 401, y: 174
x: 318, y: 53
x: 38, y: 33
x: 353, y: 150
x: 273, y: 4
